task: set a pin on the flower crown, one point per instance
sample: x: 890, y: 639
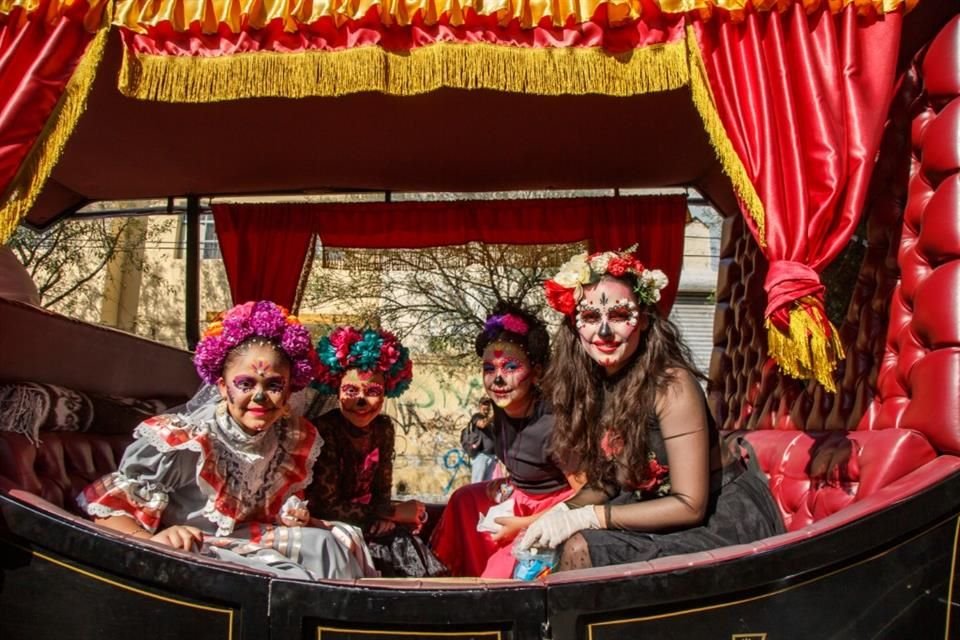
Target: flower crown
x: 371, y: 350
x: 262, y: 319
x: 506, y: 322
x: 565, y: 290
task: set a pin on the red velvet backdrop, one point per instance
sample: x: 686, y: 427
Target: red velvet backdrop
x: 802, y: 99
x: 264, y: 246
x: 37, y: 58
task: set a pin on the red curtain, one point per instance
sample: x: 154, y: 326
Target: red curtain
x: 264, y: 248
x: 802, y: 99
x: 655, y: 224
x: 38, y: 55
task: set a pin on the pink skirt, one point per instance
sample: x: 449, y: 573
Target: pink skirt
x: 468, y: 552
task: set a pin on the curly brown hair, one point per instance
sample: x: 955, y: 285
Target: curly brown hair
x: 588, y: 405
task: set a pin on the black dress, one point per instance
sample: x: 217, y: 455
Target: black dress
x: 353, y: 482
x: 740, y: 510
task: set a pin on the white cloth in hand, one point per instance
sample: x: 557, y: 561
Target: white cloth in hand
x: 556, y: 525
x: 487, y: 522
x: 294, y: 512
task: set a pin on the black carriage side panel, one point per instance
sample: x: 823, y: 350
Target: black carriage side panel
x: 412, y: 609
x: 61, y: 577
x: 888, y: 576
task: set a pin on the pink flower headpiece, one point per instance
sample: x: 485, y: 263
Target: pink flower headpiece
x: 565, y: 290
x: 372, y: 350
x: 506, y: 322
x: 266, y: 320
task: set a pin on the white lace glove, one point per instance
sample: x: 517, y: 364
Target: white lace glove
x: 556, y: 525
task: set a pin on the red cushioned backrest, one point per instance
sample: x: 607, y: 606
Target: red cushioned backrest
x: 61, y: 466
x: 813, y: 475
x: 918, y: 386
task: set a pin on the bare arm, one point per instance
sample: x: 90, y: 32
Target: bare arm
x: 683, y: 423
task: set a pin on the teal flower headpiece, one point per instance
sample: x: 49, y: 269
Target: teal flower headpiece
x: 372, y: 350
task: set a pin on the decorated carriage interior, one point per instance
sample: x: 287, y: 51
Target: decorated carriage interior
x: 845, y: 421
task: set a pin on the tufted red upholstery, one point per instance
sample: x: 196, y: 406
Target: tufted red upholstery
x: 918, y: 386
x: 814, y: 475
x: 59, y: 468
x: 902, y: 329
x: 898, y: 404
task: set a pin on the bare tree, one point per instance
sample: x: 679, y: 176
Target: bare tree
x: 67, y: 260
x: 436, y: 298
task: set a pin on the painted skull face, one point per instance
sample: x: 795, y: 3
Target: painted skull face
x: 361, y: 396
x: 256, y: 386
x: 609, y: 323
x: 508, y: 377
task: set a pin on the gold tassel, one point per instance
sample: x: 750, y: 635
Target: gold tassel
x: 43, y: 156
x: 807, y: 351
x: 729, y: 160
x: 542, y: 71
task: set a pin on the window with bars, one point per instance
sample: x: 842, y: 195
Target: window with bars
x: 209, y: 246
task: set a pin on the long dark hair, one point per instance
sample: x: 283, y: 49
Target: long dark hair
x: 588, y: 406
x: 535, y: 342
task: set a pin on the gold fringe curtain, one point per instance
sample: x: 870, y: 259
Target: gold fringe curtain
x: 463, y: 66
x: 239, y: 15
x: 733, y: 167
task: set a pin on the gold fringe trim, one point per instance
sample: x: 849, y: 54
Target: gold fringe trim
x: 450, y: 257
x: 461, y: 66
x: 43, y: 156
x: 807, y: 352
x: 729, y: 160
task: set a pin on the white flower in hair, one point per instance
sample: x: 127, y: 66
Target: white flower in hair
x: 656, y: 278
x: 575, y: 272
x: 601, y: 262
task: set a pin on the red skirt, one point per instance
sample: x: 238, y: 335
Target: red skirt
x: 468, y: 552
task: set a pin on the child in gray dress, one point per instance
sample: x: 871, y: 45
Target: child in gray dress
x: 225, y: 476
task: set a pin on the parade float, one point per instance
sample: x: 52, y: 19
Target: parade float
x: 809, y: 125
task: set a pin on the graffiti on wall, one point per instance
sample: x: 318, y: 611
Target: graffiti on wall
x: 429, y: 417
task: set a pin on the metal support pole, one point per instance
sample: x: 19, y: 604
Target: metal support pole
x: 192, y: 279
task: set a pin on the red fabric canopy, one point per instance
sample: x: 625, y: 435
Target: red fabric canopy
x: 264, y: 247
x: 40, y: 50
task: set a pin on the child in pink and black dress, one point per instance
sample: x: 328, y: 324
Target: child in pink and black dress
x: 514, y: 346
x: 353, y: 477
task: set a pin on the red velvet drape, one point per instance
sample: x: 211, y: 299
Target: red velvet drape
x: 37, y: 58
x: 264, y: 248
x: 275, y: 232
x: 802, y: 99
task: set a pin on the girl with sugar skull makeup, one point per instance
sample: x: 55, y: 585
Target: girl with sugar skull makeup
x: 225, y: 476
x: 514, y: 347
x: 353, y: 477
x: 632, y: 419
